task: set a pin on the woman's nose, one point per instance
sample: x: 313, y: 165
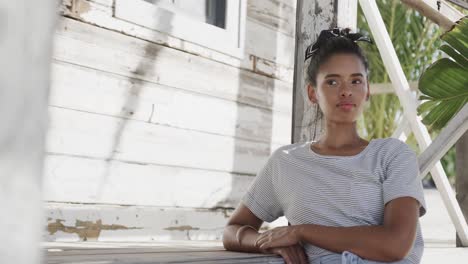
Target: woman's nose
x: 346, y: 90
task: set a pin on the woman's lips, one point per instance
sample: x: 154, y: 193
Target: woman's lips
x: 346, y: 106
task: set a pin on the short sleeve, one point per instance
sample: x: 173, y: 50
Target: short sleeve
x: 261, y: 197
x: 402, y: 178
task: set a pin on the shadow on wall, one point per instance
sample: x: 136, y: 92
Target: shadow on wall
x: 254, y: 121
x: 144, y: 68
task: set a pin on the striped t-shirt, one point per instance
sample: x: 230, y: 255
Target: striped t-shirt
x: 310, y: 188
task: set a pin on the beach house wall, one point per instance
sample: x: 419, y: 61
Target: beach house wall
x: 161, y: 113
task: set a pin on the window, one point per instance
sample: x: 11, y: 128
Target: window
x: 215, y: 24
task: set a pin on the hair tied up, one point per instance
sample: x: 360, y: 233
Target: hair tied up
x: 334, y: 33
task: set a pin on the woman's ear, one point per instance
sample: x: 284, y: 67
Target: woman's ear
x: 312, y: 93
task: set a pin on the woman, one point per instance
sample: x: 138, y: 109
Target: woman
x: 347, y: 200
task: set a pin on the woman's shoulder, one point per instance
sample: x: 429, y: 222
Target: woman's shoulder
x: 391, y: 144
x: 289, y: 150
x: 389, y: 148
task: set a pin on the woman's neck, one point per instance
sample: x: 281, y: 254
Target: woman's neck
x: 341, y: 136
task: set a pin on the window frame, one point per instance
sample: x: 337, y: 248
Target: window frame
x: 229, y: 41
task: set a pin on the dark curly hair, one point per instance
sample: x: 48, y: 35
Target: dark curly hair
x: 331, y: 42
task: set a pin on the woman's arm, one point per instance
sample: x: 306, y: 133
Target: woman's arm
x: 388, y: 242
x: 241, y: 219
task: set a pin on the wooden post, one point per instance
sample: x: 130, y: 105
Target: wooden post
x: 448, y: 136
x: 311, y: 18
x: 461, y: 179
x: 407, y: 100
x: 26, y: 28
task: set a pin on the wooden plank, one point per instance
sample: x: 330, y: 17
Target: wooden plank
x: 403, y: 130
x: 170, y: 257
x: 437, y: 232
x: 277, y: 15
x: 174, y: 251
x: 100, y: 222
x: 381, y: 88
x: 460, y: 3
x: 269, y: 44
x: 104, y: 50
x: 72, y: 222
x: 165, y: 18
x: 99, y: 247
x: 101, y: 16
x: 110, y: 94
x: 445, y: 9
x: 107, y: 3
x: 102, y: 137
x: 446, y: 139
x: 311, y: 18
x: 84, y: 180
x: 347, y: 14
x: 461, y: 178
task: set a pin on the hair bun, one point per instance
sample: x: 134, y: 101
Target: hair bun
x: 327, y: 34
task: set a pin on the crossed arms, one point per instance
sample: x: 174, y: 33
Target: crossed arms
x: 389, y: 242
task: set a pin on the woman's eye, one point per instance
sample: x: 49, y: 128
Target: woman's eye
x: 331, y: 82
x: 356, y: 82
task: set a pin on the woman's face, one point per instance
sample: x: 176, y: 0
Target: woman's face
x: 342, y: 88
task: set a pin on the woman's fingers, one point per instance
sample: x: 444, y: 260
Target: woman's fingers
x: 296, y: 258
x: 260, y: 241
x: 292, y: 254
x: 282, y: 252
x: 288, y: 256
x: 301, y: 253
x: 263, y: 237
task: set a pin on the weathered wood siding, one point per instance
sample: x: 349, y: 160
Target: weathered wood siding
x: 151, y: 136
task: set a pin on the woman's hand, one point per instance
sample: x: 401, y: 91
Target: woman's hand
x: 278, y: 237
x: 292, y: 254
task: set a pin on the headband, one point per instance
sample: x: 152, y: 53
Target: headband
x: 333, y: 33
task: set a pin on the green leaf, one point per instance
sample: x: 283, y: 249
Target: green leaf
x: 425, y: 97
x: 444, y: 79
x: 441, y: 113
x: 445, y: 83
x: 426, y: 106
x: 458, y: 37
x: 459, y: 58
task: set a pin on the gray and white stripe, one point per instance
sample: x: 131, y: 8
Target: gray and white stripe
x: 310, y: 188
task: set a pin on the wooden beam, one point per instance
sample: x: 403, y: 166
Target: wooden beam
x: 431, y: 12
x: 69, y: 178
x: 445, y: 9
x: 199, y: 252
x: 382, y: 88
x: 444, y: 141
x: 311, y: 18
x: 461, y: 178
x: 460, y: 3
x: 403, y: 130
x: 409, y: 104
x: 347, y: 14
x: 26, y: 29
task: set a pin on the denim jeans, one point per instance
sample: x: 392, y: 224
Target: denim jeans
x: 344, y: 258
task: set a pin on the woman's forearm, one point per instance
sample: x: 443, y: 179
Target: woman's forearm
x: 247, y: 239
x: 370, y: 242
